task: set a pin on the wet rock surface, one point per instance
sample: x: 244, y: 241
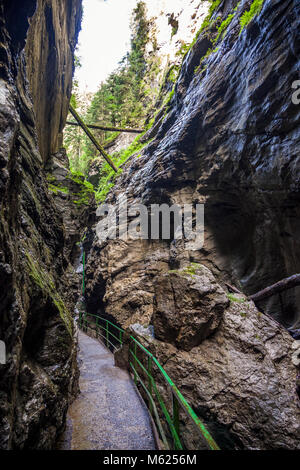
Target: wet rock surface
x: 241, y: 381
x: 40, y: 376
x: 50, y: 46
x: 108, y: 414
x: 229, y: 140
x: 234, y: 365
x: 188, y: 306
x: 75, y: 202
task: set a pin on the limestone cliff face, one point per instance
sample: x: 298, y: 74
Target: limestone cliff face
x: 229, y: 140
x: 50, y: 46
x: 39, y: 377
x: 173, y: 23
x: 75, y: 200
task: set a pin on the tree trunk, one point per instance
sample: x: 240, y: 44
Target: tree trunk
x: 104, y: 128
x: 280, y: 286
x: 92, y: 138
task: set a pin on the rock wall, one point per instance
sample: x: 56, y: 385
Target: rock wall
x: 229, y: 139
x: 75, y: 200
x: 50, y: 68
x: 40, y: 375
x: 241, y: 380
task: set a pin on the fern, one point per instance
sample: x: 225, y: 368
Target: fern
x: 255, y: 8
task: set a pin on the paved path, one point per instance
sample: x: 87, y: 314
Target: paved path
x: 108, y: 414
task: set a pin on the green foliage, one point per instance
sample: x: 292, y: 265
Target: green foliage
x: 232, y: 298
x: 86, y: 189
x: 113, y: 136
x: 224, y: 25
x: 184, y: 48
x: 205, y: 25
x: 173, y: 74
x: 77, y: 60
x: 169, y: 97
x: 74, y: 137
x: 207, y: 21
x: 255, y: 8
x: 190, y: 270
x: 108, y: 176
x: 174, y: 30
x: 83, y: 193
x: 55, y: 189
x: 123, y: 100
x: 73, y: 101
x: 56, y: 186
x: 120, y: 100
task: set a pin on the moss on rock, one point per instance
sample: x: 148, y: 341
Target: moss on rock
x: 45, y: 282
x: 190, y: 270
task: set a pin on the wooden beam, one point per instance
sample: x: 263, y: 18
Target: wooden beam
x: 280, y: 286
x: 104, y: 128
x: 92, y: 138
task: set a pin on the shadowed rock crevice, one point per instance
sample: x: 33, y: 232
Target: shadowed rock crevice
x: 40, y: 376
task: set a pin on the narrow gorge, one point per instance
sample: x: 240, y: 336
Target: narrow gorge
x: 209, y: 92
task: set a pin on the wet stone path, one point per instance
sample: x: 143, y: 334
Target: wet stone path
x: 108, y: 413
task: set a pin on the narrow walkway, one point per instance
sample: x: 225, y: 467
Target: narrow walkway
x: 108, y: 413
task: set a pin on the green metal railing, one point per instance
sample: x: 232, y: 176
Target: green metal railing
x: 83, y: 273
x: 142, y: 364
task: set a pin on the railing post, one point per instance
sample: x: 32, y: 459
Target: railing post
x: 106, y: 329
x: 135, y: 363
x: 83, y: 268
x: 176, y: 399
x: 175, y: 406
x: 150, y: 381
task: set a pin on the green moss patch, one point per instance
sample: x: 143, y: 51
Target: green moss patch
x: 199, y: 68
x: 224, y: 25
x: 190, y: 270
x: 56, y: 189
x: 85, y: 191
x: 232, y: 298
x: 255, y: 8
x: 207, y: 21
x: 182, y: 51
x: 45, y: 282
x: 168, y: 99
x: 173, y: 73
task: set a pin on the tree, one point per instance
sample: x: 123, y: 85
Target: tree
x: 123, y: 100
